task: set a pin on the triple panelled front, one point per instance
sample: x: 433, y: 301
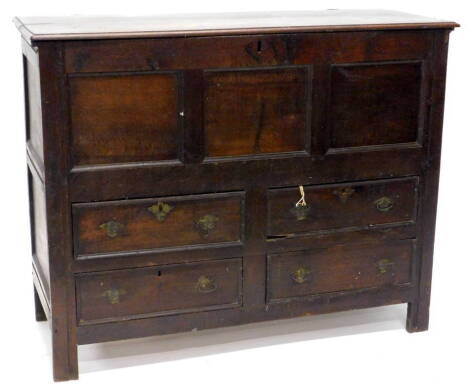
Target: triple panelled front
x: 256, y: 95
x: 188, y: 128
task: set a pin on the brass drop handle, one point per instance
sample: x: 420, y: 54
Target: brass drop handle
x: 301, y: 208
x: 112, y: 228
x: 384, y: 204
x: 301, y: 275
x: 206, y: 284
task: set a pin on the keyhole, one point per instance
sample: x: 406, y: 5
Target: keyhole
x: 260, y: 46
x: 159, y: 273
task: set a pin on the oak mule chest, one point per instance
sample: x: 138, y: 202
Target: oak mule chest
x: 201, y: 171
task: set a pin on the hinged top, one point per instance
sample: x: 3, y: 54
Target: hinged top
x: 105, y: 27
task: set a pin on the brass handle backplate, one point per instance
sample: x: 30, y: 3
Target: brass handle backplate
x: 206, y: 224
x: 113, y: 295
x: 384, y: 266
x: 344, y: 193
x: 206, y: 284
x: 112, y: 228
x: 301, y: 275
x: 384, y: 204
x: 160, y: 210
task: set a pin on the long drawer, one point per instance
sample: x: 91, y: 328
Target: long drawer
x: 145, y: 292
x: 337, y: 269
x: 339, y: 206
x: 143, y: 224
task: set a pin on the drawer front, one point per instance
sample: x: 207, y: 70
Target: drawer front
x: 350, y: 205
x: 337, y: 269
x: 145, y: 224
x: 141, y: 292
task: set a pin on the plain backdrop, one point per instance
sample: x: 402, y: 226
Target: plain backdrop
x: 366, y: 350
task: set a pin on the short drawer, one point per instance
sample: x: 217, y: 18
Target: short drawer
x: 340, y: 206
x: 146, y: 224
x: 337, y: 269
x: 145, y: 292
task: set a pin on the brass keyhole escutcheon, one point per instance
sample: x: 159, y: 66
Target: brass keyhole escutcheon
x: 112, y: 228
x: 114, y: 295
x: 301, y: 275
x: 344, y: 193
x: 384, y: 266
x: 206, y: 284
x: 206, y: 224
x: 384, y: 204
x: 160, y: 210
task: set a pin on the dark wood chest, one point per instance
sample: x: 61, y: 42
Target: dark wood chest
x: 184, y: 178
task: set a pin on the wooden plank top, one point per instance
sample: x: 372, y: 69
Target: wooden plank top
x: 106, y: 27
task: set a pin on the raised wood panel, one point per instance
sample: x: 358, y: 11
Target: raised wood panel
x: 244, y: 51
x: 39, y: 237
x: 138, y: 293
x: 124, y: 118
x: 254, y: 112
x: 136, y: 225
x: 352, y: 206
x: 34, y: 133
x: 338, y: 269
x: 374, y: 104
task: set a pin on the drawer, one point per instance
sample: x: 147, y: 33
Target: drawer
x: 146, y: 224
x: 144, y: 292
x: 350, y: 206
x: 337, y: 269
